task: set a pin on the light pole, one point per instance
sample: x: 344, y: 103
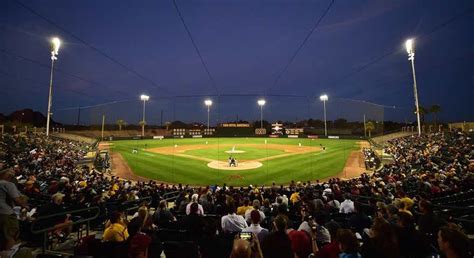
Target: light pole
x: 208, y: 103
x: 55, y: 44
x: 409, y: 44
x: 324, y: 98
x: 261, y: 103
x: 144, y: 98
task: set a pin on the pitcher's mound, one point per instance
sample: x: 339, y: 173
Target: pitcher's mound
x: 241, y: 166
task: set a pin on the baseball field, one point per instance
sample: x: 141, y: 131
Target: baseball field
x: 256, y: 161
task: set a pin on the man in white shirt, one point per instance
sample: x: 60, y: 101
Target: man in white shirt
x: 347, y: 206
x: 255, y: 227
x: 194, y: 199
x: 232, y: 222
x: 256, y: 206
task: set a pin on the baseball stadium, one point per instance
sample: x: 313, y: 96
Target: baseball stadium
x: 241, y: 129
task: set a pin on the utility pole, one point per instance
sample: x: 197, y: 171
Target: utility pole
x: 161, y: 118
x: 79, y: 116
x: 365, y: 128
x: 103, y: 125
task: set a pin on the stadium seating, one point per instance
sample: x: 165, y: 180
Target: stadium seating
x: 436, y: 168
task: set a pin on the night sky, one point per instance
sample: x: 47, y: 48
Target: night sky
x: 113, y: 51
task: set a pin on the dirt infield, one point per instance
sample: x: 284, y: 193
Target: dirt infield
x: 355, y: 164
x: 121, y: 169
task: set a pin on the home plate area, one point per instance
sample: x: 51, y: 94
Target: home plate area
x: 240, y: 166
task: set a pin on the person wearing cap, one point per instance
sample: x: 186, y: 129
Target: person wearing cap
x: 194, y: 199
x: 62, y: 224
x: 9, y: 196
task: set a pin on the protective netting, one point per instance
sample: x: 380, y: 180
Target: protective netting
x: 344, y: 116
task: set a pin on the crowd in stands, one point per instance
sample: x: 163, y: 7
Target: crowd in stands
x: 388, y: 213
x: 371, y: 160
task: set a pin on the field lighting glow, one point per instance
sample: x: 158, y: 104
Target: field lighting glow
x: 56, y: 43
x: 261, y: 102
x: 144, y: 97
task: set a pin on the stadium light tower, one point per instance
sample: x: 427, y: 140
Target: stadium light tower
x: 144, y: 98
x: 261, y: 103
x: 208, y: 103
x: 324, y: 98
x: 410, y: 46
x: 55, y: 44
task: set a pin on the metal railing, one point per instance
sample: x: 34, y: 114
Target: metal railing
x: 50, y: 227
x: 173, y: 195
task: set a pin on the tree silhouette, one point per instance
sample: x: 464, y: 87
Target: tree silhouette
x: 369, y: 126
x: 120, y: 123
x: 435, y: 109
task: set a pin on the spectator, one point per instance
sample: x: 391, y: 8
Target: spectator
x: 163, y: 216
x: 382, y: 241
x: 194, y: 199
x: 411, y: 241
x: 116, y: 231
x: 246, y: 249
x: 246, y: 206
x: 348, y: 243
x: 140, y: 223
x: 255, y: 227
x: 139, y: 246
x: 428, y: 222
x: 232, y: 222
x: 454, y: 243
x: 332, y: 249
x: 194, y: 223
x: 347, y: 206
x: 256, y: 206
x: 277, y: 244
x: 359, y: 221
x: 9, y: 195
x: 300, y: 243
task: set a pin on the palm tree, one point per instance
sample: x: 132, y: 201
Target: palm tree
x: 120, y: 123
x: 369, y: 126
x: 434, y: 109
x: 423, y: 112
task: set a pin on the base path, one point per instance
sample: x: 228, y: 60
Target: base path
x: 355, y: 164
x: 120, y: 166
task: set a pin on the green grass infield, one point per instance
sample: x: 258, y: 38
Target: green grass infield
x: 282, y: 159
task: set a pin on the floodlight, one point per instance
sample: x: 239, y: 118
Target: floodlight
x: 208, y: 102
x: 261, y: 102
x: 55, y: 44
x: 323, y: 97
x: 144, y: 97
x: 409, y: 44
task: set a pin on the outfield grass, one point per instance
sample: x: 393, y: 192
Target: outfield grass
x: 174, y: 169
